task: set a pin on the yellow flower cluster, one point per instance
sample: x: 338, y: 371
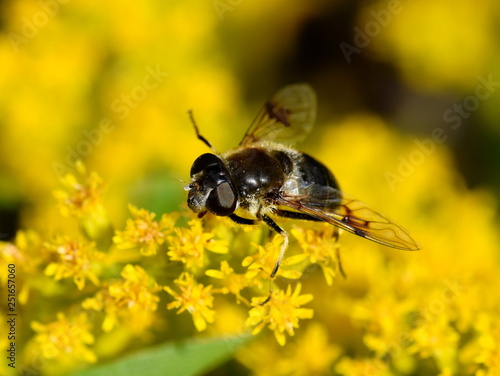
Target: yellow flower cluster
x: 196, y: 257
x: 109, y: 81
x: 156, y: 278
x: 65, y: 336
x: 131, y: 299
x: 81, y: 198
x: 82, y: 195
x: 194, y: 298
x: 282, y: 312
x: 186, y: 246
x: 73, y: 259
x: 189, y: 244
x: 144, y: 232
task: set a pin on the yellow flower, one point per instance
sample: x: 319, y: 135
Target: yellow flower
x: 428, y: 60
x: 233, y: 282
x: 484, y: 349
x: 195, y: 298
x: 27, y: 250
x: 65, y: 337
x: 76, y: 259
x: 144, y: 232
x: 366, y: 366
x: 321, y: 248
x: 188, y: 245
x: 82, y: 198
x: 310, y: 353
x: 26, y: 253
x: 261, y: 264
x: 282, y: 312
x: 83, y: 195
x: 131, y: 300
x: 436, y: 338
x: 385, y: 318
x: 313, y: 354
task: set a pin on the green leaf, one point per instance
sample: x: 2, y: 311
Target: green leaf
x: 187, y: 358
x: 159, y: 192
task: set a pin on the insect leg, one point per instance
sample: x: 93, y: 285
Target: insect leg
x: 337, y: 253
x: 200, y: 137
x: 303, y: 216
x: 295, y: 215
x: 282, y: 232
x: 242, y: 221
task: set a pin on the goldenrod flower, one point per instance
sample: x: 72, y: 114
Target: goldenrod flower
x: 320, y: 248
x: 398, y: 313
x: 261, y: 264
x: 282, y: 312
x: 485, y: 349
x: 233, y: 283
x: 365, y: 366
x: 26, y: 252
x: 28, y: 255
x: 144, y: 232
x: 436, y: 338
x: 310, y: 353
x: 82, y: 194
x: 82, y: 198
x: 188, y: 244
x: 378, y: 315
x: 195, y: 298
x: 313, y: 354
x: 131, y: 300
x: 75, y: 259
x: 65, y: 337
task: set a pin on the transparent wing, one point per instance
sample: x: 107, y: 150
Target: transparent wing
x: 286, y: 117
x: 330, y: 205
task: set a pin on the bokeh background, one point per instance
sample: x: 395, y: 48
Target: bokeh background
x: 111, y: 82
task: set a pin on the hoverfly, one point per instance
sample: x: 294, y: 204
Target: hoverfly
x: 264, y: 178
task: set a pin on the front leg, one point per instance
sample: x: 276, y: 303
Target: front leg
x: 273, y: 226
x: 282, y: 232
x: 242, y: 221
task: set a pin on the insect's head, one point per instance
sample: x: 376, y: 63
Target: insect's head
x: 211, y: 187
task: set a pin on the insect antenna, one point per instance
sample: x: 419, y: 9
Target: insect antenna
x: 200, y: 137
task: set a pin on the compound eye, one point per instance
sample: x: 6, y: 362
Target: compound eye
x: 203, y: 162
x: 222, y: 200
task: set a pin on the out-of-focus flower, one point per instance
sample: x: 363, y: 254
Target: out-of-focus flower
x: 313, y: 353
x: 143, y: 232
x: 428, y: 59
x: 82, y: 194
x: 82, y: 198
x: 438, y: 339
x: 485, y: 348
x: 195, y: 298
x: 309, y: 353
x: 367, y: 366
x: 65, y: 337
x: 27, y: 254
x: 281, y: 313
x: 75, y: 259
x: 131, y: 300
x: 188, y: 245
x: 25, y: 251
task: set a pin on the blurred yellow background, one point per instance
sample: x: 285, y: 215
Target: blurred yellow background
x: 408, y: 119
x: 110, y: 83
